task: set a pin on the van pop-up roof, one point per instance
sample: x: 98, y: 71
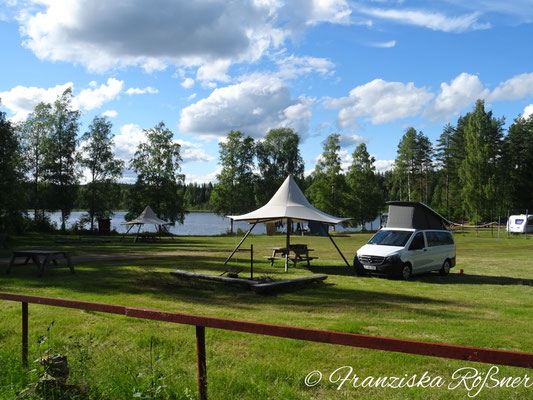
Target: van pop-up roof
x: 413, y: 215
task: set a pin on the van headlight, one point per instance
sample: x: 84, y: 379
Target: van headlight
x: 392, y: 259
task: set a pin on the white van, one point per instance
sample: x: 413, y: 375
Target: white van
x: 405, y: 252
x: 520, y: 224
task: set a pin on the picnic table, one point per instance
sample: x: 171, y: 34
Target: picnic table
x: 300, y: 253
x: 36, y: 255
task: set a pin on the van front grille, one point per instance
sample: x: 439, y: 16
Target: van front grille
x: 371, y: 260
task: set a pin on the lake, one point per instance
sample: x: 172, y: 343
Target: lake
x: 195, y: 224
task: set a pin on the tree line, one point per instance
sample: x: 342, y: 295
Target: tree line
x: 44, y: 158
x: 474, y: 170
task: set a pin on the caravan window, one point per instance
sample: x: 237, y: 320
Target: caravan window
x: 519, y: 221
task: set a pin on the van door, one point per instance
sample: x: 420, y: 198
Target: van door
x: 418, y: 254
x: 437, y: 251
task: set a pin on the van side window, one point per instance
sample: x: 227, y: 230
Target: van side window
x: 433, y: 239
x: 418, y: 242
x: 445, y: 238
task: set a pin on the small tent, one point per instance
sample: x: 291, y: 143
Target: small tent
x: 288, y: 205
x: 147, y: 217
x: 414, y: 215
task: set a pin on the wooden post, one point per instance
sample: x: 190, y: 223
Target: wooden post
x: 24, y: 334
x: 251, y: 261
x: 202, y: 367
x: 287, y: 244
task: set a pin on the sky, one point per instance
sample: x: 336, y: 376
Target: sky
x: 365, y: 69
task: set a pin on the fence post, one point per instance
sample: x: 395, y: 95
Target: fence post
x: 251, y: 261
x: 202, y: 368
x: 24, y: 334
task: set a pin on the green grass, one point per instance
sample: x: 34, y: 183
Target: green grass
x: 488, y: 306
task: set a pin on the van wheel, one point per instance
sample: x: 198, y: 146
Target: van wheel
x: 406, y: 272
x: 445, y: 270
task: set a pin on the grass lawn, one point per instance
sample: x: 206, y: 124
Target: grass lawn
x: 114, y: 357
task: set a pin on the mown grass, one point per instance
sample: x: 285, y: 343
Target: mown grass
x: 109, y: 355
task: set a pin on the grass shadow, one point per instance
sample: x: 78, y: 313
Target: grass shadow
x: 468, y: 279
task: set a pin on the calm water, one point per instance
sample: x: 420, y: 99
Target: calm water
x: 195, y: 224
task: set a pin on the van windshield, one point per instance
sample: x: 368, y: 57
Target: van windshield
x: 391, y: 238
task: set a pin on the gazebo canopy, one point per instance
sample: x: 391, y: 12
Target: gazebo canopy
x: 147, y: 217
x: 288, y: 203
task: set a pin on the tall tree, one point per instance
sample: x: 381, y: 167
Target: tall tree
x: 413, y: 166
x: 365, y: 198
x: 157, y: 164
x: 104, y: 170
x: 479, y: 171
x: 278, y: 156
x: 12, y: 198
x: 60, y: 158
x: 233, y: 193
x: 35, y: 132
x: 328, y: 190
x: 519, y: 163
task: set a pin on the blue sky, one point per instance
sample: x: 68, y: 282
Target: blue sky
x: 365, y: 69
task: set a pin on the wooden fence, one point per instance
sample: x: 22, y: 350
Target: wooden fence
x: 483, y: 355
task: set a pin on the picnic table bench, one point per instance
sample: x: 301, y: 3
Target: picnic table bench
x: 300, y: 253
x: 35, y: 256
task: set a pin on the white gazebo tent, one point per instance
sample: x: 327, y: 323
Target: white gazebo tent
x: 147, y: 217
x: 288, y: 205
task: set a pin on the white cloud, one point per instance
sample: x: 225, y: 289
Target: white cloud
x: 352, y: 140
x: 147, y: 89
x: 384, y: 165
x: 209, y: 34
x: 191, y: 97
x: 211, y: 177
x: 127, y: 140
x: 180, y: 33
x: 21, y: 100
x: 214, y: 71
x: 431, y: 20
x: 291, y: 67
x: 515, y: 88
x: 384, y: 45
x: 192, y: 152
x: 528, y: 111
x: 381, y: 101
x: 253, y: 107
x: 187, y: 83
x: 94, y: 98
x: 455, y: 96
x: 313, y: 12
x: 110, y: 113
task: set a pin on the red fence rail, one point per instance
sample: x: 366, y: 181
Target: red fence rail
x: 466, y: 353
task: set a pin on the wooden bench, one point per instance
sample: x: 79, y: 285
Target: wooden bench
x: 35, y: 255
x: 300, y: 253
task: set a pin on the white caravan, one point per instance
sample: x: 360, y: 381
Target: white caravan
x: 520, y: 224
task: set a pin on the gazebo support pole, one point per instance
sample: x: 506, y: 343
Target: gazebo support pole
x: 287, y: 244
x: 239, y: 245
x: 128, y: 231
x: 335, y: 244
x: 137, y: 235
